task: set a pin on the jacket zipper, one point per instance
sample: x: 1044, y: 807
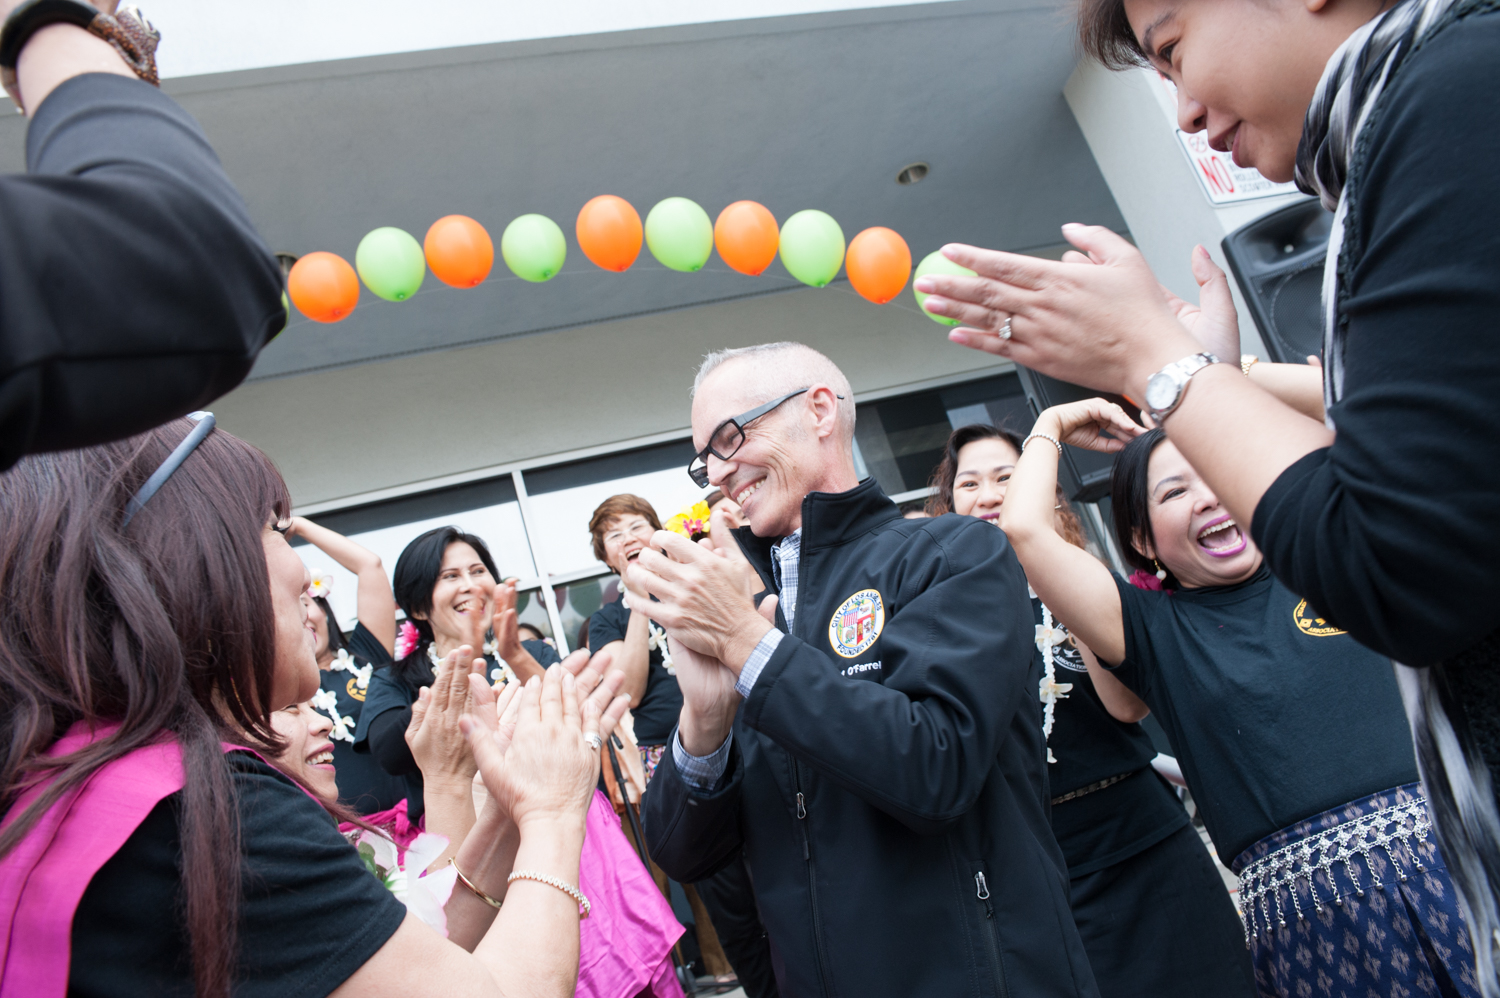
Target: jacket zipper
x: 812, y: 878
x: 992, y: 935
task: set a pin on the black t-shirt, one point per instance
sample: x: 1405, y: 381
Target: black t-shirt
x: 1275, y: 715
x: 363, y: 785
x: 661, y: 704
x: 311, y: 913
x: 1107, y: 826
x: 387, y: 712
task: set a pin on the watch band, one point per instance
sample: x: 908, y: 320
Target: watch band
x: 1179, y: 373
x: 32, y: 16
x: 127, y: 31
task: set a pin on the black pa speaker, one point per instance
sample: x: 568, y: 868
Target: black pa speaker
x: 1083, y: 474
x: 1278, y: 262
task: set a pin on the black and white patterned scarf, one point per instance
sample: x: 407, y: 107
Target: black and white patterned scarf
x: 1352, y: 82
x: 1458, y: 783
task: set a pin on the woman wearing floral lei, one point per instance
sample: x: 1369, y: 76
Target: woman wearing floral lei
x: 450, y: 590
x: 1147, y: 897
x: 348, y: 661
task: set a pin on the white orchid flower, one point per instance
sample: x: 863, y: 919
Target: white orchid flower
x: 423, y: 895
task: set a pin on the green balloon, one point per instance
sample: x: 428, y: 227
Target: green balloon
x: 679, y: 234
x: 287, y: 306
x: 936, y: 263
x: 534, y: 248
x: 391, y: 263
x: 812, y: 247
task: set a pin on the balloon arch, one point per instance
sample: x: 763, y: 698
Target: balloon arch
x: 678, y: 232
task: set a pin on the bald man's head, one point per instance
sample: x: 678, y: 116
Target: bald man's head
x: 803, y: 445
x: 770, y: 370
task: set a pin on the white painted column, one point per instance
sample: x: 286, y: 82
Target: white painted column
x: 1128, y: 120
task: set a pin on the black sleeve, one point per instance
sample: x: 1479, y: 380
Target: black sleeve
x: 693, y: 834
x: 1136, y: 670
x: 1391, y: 531
x: 607, y: 624
x: 387, y: 740
x: 300, y: 872
x: 544, y: 653
x: 367, y: 646
x: 133, y: 288
x: 957, y: 656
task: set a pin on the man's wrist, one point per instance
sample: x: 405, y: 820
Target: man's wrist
x: 742, y: 642
x: 703, y: 733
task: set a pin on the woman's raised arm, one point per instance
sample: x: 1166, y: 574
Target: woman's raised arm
x: 1075, y: 585
x: 376, y: 603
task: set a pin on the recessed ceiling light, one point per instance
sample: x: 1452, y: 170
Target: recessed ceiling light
x: 912, y: 174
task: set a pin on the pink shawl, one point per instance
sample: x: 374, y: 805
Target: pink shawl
x: 625, y: 945
x: 44, y: 877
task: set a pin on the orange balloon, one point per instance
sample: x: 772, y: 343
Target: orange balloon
x: 459, y: 251
x: 747, y: 237
x: 878, y: 263
x: 323, y: 286
x: 609, y: 232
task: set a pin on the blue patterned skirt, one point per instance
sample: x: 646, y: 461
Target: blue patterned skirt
x: 1355, y: 902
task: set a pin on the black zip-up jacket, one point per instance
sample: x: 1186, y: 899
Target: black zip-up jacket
x: 133, y: 288
x: 890, y: 796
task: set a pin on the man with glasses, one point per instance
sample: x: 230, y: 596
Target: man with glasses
x: 869, y: 738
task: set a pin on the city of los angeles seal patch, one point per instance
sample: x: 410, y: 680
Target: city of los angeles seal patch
x: 857, y: 623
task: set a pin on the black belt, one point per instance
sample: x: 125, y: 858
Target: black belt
x: 1085, y: 791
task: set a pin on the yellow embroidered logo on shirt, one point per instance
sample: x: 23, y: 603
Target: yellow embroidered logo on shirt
x: 1309, y: 622
x: 857, y: 623
x: 354, y: 691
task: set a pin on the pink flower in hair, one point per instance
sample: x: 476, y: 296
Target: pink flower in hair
x: 1145, y: 580
x: 407, y: 639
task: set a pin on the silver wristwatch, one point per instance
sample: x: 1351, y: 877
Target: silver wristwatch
x: 1164, y: 388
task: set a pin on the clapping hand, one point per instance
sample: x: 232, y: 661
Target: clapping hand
x: 548, y: 770
x: 1213, y: 321
x: 1106, y: 326
x: 505, y: 624
x: 434, y: 735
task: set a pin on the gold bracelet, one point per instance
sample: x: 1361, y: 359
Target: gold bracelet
x: 481, y: 895
x: 1247, y: 361
x: 562, y: 885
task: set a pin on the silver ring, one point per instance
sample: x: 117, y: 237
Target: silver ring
x: 1005, y: 330
x: 595, y: 742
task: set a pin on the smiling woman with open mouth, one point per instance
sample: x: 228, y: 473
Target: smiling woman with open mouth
x: 1291, y: 736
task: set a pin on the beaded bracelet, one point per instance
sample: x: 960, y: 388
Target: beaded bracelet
x: 562, y: 885
x: 1043, y: 436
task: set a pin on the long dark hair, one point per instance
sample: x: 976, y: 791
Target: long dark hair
x: 163, y: 627
x: 946, y: 474
x: 1130, y: 501
x: 417, y: 571
x: 336, y: 637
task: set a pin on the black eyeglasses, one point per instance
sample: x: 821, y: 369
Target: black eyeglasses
x: 730, y: 437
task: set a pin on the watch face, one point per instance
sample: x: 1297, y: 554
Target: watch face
x: 1161, y: 391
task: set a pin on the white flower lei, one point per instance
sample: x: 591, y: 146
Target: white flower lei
x: 328, y: 701
x: 501, y: 673
x: 656, y: 635
x: 1049, y: 689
